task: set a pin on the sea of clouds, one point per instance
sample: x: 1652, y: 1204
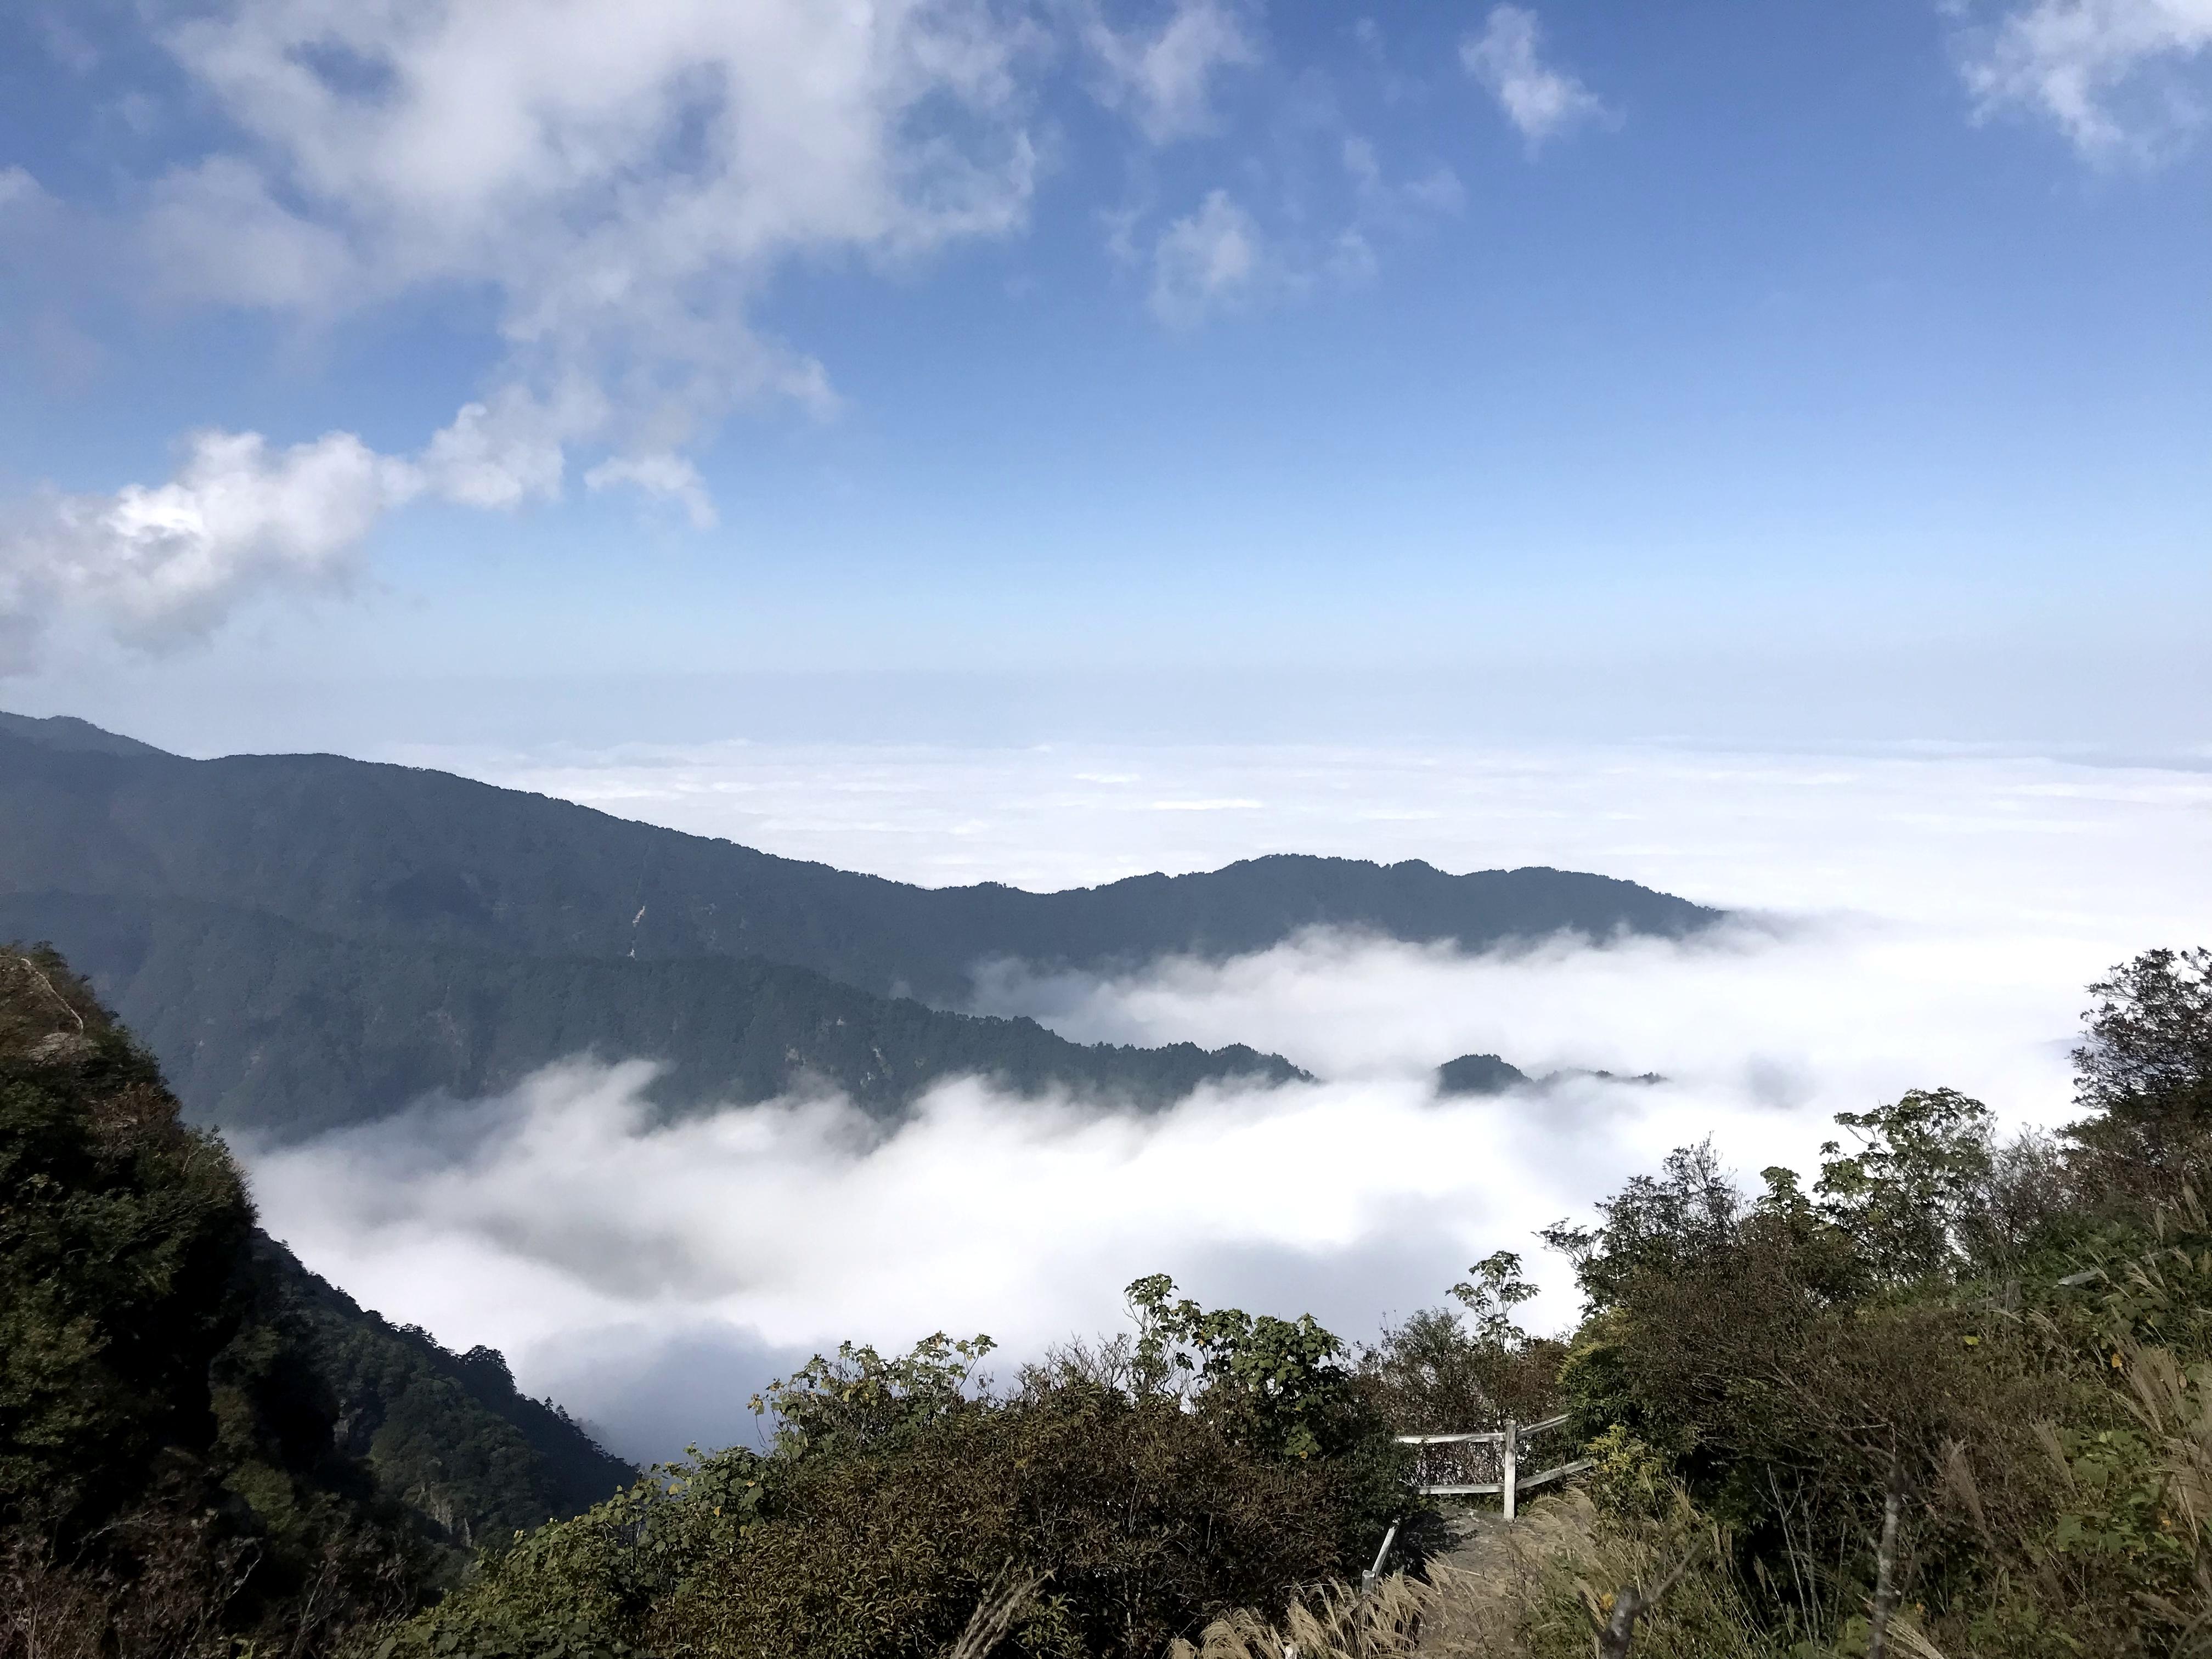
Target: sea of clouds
x: 1901, y: 920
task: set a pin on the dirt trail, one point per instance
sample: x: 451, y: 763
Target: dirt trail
x: 1482, y: 1550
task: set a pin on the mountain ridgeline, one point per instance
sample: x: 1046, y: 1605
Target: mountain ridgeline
x: 279, y: 1032
x: 307, y: 940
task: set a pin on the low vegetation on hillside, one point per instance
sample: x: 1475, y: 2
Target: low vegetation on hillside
x: 1950, y: 1394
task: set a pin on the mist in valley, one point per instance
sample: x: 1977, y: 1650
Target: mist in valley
x: 1899, y: 921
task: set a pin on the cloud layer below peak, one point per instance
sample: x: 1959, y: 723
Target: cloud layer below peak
x: 651, y: 1274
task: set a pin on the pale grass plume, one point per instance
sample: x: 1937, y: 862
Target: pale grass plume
x: 1332, y: 1622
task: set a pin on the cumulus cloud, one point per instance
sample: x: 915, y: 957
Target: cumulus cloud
x: 2101, y: 69
x: 1542, y: 101
x: 166, y: 563
x: 617, y: 183
x: 163, y: 565
x: 1165, y: 79
x: 513, y: 449
x: 620, y: 179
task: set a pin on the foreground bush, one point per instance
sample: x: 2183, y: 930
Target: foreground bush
x: 1955, y: 1399
x: 1216, y: 1461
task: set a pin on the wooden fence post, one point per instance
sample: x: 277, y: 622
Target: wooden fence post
x: 1509, y: 1457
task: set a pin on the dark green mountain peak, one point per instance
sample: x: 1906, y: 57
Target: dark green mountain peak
x: 1487, y: 1074
x: 1479, y: 1074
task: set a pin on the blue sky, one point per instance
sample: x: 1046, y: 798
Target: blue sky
x: 1839, y: 371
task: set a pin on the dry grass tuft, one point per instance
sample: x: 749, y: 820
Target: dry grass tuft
x: 1537, y: 1590
x: 1333, y: 1622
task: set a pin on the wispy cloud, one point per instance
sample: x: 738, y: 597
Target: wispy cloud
x: 1165, y: 78
x: 664, y: 477
x: 1543, y: 102
x: 2107, y: 72
x: 1437, y: 190
x: 1219, y: 258
x: 1212, y: 259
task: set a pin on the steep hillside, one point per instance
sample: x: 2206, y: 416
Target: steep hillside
x: 196, y: 1434
x: 448, y: 1436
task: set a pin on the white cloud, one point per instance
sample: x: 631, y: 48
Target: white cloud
x: 1438, y: 191
x: 618, y: 180
x: 2111, y: 855
x: 1218, y: 258
x: 216, y: 231
x: 166, y: 563
x: 621, y: 179
x: 1543, y: 102
x: 1351, y: 258
x: 1951, y: 910
x: 567, y: 1212
x: 1209, y: 260
x: 510, y: 451
x: 163, y: 565
x: 554, y: 1220
x: 17, y: 186
x: 2090, y: 65
x: 1166, y: 79
x: 669, y: 476
x: 1848, y: 1008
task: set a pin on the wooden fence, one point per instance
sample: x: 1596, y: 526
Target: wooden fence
x: 1484, y: 1465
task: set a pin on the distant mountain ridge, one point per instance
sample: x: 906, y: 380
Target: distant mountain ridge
x: 282, y: 1032
x: 362, y: 849
x: 70, y: 734
x: 305, y: 938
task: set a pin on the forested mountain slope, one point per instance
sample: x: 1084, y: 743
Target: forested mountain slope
x: 306, y: 941
x: 448, y: 1435
x: 277, y: 1030
x: 197, y: 1435
x: 375, y: 852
